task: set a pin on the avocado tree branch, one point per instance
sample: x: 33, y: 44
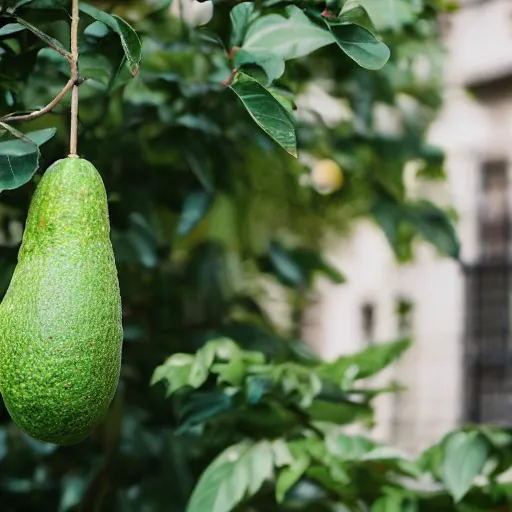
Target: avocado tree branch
x: 42, y: 111
x: 72, y: 83
x: 75, y: 17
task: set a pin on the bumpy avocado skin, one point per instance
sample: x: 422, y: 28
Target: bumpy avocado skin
x: 60, y: 321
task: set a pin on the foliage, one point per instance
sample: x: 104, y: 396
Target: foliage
x: 289, y: 452
x: 195, y: 143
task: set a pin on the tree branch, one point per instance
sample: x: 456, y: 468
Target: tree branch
x: 42, y: 111
x: 73, y: 83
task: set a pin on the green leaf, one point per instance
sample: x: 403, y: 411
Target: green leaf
x: 266, y: 111
x: 130, y: 41
x: 19, y: 158
x: 238, y: 471
x: 96, y: 67
x: 395, y: 502
x: 290, y: 475
x: 312, y: 261
x: 43, y: 4
x: 285, y: 266
x: 391, y: 14
x: 73, y: 490
x: 465, y: 455
x: 200, y: 123
x: 241, y: 16
x: 194, y: 209
x: 181, y: 370
x: 354, y: 13
x: 360, y: 45
x: 287, y: 38
x: 434, y: 226
x: 175, y: 371
x: 339, y: 413
x: 272, y: 65
x: 423, y: 217
x: 368, y: 362
x: 282, y: 454
x: 11, y: 28
x: 200, y: 407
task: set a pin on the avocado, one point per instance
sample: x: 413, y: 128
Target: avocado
x: 60, y: 321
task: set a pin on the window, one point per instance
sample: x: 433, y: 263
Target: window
x: 488, y: 305
x: 368, y: 322
x: 404, y: 309
x: 493, y: 211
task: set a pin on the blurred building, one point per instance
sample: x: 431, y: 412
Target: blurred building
x: 458, y: 315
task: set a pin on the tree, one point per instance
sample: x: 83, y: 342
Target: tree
x: 196, y: 146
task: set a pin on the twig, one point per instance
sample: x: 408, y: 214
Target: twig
x: 52, y: 43
x: 73, y: 141
x: 42, y: 111
x: 73, y: 83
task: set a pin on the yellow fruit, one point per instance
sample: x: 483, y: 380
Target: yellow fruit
x: 327, y: 176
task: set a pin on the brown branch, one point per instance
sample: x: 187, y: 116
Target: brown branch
x: 42, y: 111
x: 73, y: 82
x: 73, y: 140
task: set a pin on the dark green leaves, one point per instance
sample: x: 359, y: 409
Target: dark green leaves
x: 285, y: 266
x: 464, y: 457
x: 19, y: 157
x: 267, y: 111
x: 298, y: 267
x: 421, y: 218
x: 194, y: 209
x: 130, y: 41
x: 43, y: 4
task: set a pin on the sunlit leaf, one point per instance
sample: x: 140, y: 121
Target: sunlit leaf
x: 241, y: 16
x: 287, y: 38
x: 271, y: 64
x: 240, y: 469
x: 464, y: 457
x: 290, y: 475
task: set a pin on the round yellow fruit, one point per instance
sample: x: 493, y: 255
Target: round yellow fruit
x: 326, y: 176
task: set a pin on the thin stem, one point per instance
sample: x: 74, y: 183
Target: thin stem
x: 73, y: 140
x: 41, y: 111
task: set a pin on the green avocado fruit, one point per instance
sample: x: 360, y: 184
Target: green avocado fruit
x: 60, y: 321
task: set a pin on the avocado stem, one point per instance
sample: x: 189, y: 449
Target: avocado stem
x: 73, y: 140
